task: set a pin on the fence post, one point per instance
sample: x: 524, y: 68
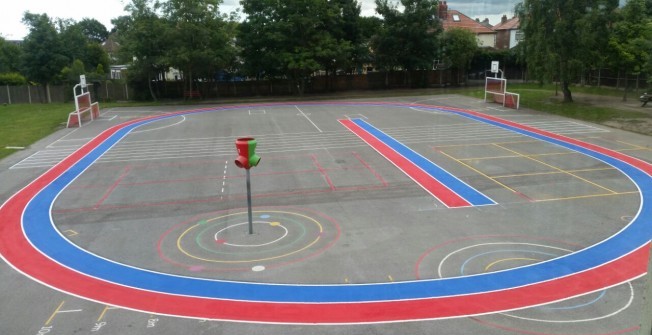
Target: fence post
x: 29, y: 94
x: 8, y: 94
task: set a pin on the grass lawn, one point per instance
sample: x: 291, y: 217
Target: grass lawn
x: 24, y: 124
x: 542, y: 98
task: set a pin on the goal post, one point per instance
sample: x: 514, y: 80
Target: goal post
x: 85, y: 109
x: 495, y: 90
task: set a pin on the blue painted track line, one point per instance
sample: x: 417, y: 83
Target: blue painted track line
x: 468, y: 193
x: 42, y: 233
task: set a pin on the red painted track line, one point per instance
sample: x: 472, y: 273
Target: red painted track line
x: 427, y: 182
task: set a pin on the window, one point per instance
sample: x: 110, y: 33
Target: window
x: 456, y: 18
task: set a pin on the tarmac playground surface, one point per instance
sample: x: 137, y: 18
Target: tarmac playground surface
x: 144, y: 228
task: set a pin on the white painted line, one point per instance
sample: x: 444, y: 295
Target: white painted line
x: 306, y: 116
x: 14, y: 148
x: 183, y: 118
x: 70, y: 311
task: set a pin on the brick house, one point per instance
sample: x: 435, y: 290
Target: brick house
x: 451, y: 18
x: 507, y: 33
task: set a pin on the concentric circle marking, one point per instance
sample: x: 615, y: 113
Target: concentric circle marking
x: 273, y: 224
x: 506, y: 253
x: 223, y: 241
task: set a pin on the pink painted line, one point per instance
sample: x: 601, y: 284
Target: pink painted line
x: 427, y: 182
x: 112, y: 188
x: 368, y: 167
x: 323, y: 172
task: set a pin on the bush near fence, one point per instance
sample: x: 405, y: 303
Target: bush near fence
x: 210, y: 90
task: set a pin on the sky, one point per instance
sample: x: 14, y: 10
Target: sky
x: 12, y: 28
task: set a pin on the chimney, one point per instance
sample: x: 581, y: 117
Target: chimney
x: 503, y: 19
x: 442, y: 11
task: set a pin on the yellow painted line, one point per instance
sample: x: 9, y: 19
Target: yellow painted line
x: 586, y: 196
x: 55, y: 313
x: 636, y: 146
x: 106, y: 308
x: 486, y: 158
x: 477, y: 171
x: 521, y: 155
x: 71, y: 233
x: 182, y: 250
x: 561, y: 170
x: 486, y: 269
x: 550, y: 173
x: 505, y: 142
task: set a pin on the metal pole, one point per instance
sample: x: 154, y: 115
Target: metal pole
x: 251, y: 224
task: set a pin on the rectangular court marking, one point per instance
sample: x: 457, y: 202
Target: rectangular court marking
x: 441, y: 184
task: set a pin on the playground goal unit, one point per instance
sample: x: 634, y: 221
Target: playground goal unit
x: 85, y: 110
x: 495, y: 89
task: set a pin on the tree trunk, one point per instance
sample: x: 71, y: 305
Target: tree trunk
x: 626, y: 85
x: 151, y: 89
x: 47, y: 93
x: 568, y: 97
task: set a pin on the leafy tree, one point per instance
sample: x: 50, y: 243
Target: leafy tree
x: 293, y: 37
x: 44, y: 55
x: 144, y: 41
x: 460, y: 47
x: 10, y: 56
x: 369, y: 27
x: 93, y: 30
x: 408, y: 39
x: 200, y: 43
x: 73, y: 72
x: 556, y: 37
x: 630, y: 39
x: 12, y: 78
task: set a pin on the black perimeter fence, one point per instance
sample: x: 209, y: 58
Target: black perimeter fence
x: 110, y: 90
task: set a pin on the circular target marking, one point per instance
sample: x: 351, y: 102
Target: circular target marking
x: 220, y: 243
x: 540, y: 314
x: 273, y: 224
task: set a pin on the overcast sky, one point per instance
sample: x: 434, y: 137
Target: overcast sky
x: 12, y: 11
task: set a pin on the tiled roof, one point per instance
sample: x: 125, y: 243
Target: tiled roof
x: 511, y: 24
x: 464, y: 22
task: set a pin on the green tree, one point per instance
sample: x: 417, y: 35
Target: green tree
x: 294, y: 38
x: 556, y: 40
x: 93, y: 30
x: 369, y: 26
x: 10, y: 56
x: 144, y: 42
x: 44, y: 55
x: 460, y: 46
x: 408, y: 39
x: 201, y: 43
x: 73, y: 72
x: 630, y: 40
